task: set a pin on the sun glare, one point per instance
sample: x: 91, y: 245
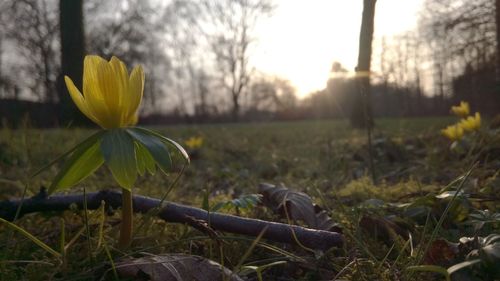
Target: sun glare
x: 302, y: 40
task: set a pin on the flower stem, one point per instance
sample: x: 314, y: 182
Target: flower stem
x: 127, y: 214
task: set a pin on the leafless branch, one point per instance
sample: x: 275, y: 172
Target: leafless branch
x: 173, y: 212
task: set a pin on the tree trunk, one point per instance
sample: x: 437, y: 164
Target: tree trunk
x: 72, y: 54
x: 3, y: 88
x: 236, y: 108
x: 361, y: 111
x: 497, y: 19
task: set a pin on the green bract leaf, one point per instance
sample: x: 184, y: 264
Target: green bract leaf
x: 118, y: 150
x: 88, y: 141
x: 83, y: 162
x: 141, y: 161
x: 177, y: 146
x: 145, y: 162
x: 157, y: 149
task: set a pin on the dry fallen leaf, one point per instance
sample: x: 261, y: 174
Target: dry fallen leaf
x: 174, y: 267
x: 298, y: 206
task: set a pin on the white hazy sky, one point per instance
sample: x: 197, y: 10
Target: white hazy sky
x: 303, y: 37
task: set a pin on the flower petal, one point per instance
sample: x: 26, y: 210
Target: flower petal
x: 108, y: 84
x: 111, y: 96
x: 122, y: 79
x: 136, y: 89
x: 132, y: 121
x: 92, y: 90
x: 78, y: 99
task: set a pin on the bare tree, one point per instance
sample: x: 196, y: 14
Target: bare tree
x: 196, y: 53
x: 463, y: 39
x: 230, y: 36
x: 202, y: 86
x: 30, y: 29
x: 400, y: 67
x: 165, y: 37
x: 272, y: 94
x: 132, y: 30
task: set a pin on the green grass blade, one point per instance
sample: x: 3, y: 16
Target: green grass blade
x: 32, y: 238
x: 430, y: 268
x: 110, y: 258
x: 462, y: 265
x: 62, y: 238
x: 250, y: 249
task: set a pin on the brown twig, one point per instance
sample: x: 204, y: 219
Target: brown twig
x: 172, y: 212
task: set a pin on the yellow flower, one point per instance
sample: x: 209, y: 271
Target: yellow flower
x: 453, y: 132
x: 471, y: 123
x: 194, y: 142
x: 110, y: 97
x: 462, y: 110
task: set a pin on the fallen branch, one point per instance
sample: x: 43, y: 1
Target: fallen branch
x: 172, y: 212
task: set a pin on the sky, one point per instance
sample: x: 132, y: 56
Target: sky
x: 304, y: 37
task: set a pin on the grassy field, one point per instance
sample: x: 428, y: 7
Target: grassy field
x: 388, y: 225
x: 259, y: 150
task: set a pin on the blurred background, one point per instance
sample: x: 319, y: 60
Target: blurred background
x: 251, y: 60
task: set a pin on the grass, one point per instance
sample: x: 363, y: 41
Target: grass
x: 325, y: 159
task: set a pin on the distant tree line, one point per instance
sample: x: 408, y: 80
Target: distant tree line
x: 196, y: 53
x: 462, y: 39
x: 197, y: 56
